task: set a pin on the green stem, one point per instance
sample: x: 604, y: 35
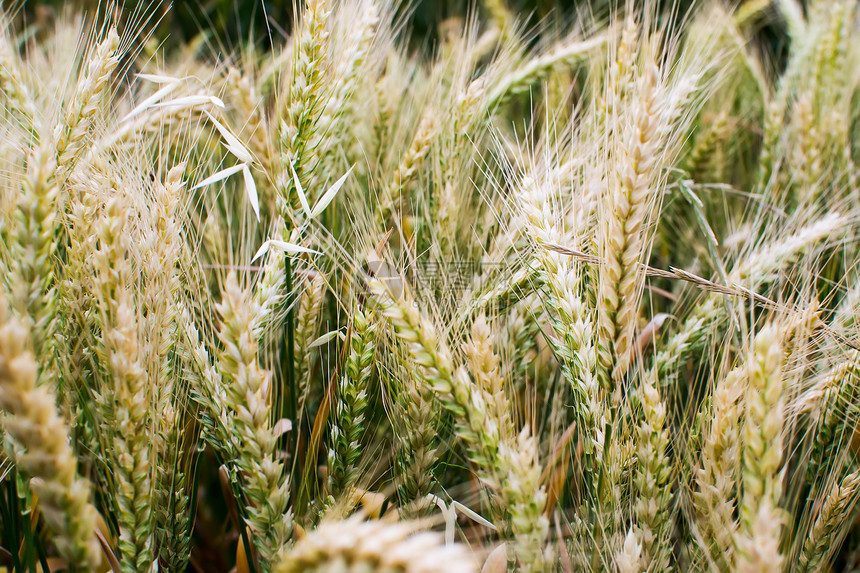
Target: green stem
x: 292, y: 407
x: 11, y: 520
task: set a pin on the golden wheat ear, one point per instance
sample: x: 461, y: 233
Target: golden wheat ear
x: 355, y: 544
x: 40, y: 445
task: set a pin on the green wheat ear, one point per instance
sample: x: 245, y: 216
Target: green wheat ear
x: 348, y: 413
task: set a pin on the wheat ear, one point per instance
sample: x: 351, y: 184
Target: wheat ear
x: 306, y: 328
x: 128, y: 395
x: 419, y: 338
x: 757, y: 540
x: 33, y: 249
x: 41, y: 448
x: 506, y: 462
x: 653, y: 519
x: 163, y: 245
x: 819, y: 541
x: 630, y: 202
x: 836, y: 392
x: 489, y: 415
x: 250, y: 407
x: 408, y: 167
x: 70, y: 134
x: 525, y: 498
x: 12, y: 85
x: 416, y: 434
x: 338, y: 118
x: 539, y: 67
x: 434, y: 381
x: 357, y: 545
x: 716, y: 475
x: 306, y: 103
x: 572, y: 323
x: 297, y: 135
x: 348, y: 415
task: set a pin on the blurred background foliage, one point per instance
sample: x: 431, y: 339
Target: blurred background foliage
x: 227, y: 25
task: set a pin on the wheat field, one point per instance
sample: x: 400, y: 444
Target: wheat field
x: 579, y: 297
